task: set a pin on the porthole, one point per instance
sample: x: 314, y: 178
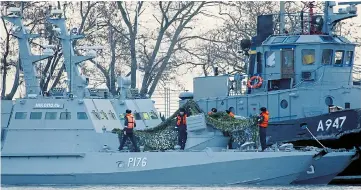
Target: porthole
x: 284, y: 104
x: 328, y: 101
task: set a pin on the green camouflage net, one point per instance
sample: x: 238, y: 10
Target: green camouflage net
x: 164, y: 136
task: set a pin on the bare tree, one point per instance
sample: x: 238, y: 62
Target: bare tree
x: 157, y: 48
x: 110, y: 33
x: 220, y: 46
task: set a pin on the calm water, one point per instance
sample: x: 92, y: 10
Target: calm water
x: 324, y: 187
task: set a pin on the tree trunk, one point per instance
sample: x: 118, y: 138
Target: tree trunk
x: 133, y: 56
x: 113, y: 42
x: 51, y: 73
x: 16, y: 83
x: 5, y: 64
x: 57, y: 79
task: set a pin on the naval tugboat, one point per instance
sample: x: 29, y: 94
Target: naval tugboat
x: 302, y: 73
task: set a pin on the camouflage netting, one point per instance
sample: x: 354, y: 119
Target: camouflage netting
x: 164, y: 136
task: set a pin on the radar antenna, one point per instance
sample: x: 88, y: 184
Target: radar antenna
x: 332, y: 18
x: 77, y: 83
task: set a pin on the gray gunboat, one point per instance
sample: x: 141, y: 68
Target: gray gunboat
x: 201, y: 168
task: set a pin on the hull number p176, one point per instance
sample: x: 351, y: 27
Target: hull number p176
x: 137, y: 162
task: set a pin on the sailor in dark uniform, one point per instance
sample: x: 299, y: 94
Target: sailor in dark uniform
x: 129, y: 124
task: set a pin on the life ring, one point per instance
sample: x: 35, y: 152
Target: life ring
x: 256, y: 85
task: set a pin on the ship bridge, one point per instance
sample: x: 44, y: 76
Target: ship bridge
x: 289, y: 61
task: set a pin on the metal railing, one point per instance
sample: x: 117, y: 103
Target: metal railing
x: 166, y: 101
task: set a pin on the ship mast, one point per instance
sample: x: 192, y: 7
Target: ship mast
x: 282, y: 17
x: 27, y: 59
x: 77, y: 83
x: 331, y: 19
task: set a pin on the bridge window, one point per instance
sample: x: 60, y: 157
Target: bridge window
x: 104, y: 115
x: 36, y: 115
x: 145, y: 116
x: 65, y: 115
x: 137, y: 116
x: 82, y: 115
x: 270, y: 58
x: 292, y: 39
x: 308, y: 56
x: 20, y: 115
x: 96, y: 114
x: 349, y: 57
x: 338, y: 58
x: 327, y: 56
x: 51, y: 115
x: 153, y: 115
x: 278, y: 40
x: 287, y: 57
x: 259, y: 62
x: 112, y: 115
x: 327, y: 38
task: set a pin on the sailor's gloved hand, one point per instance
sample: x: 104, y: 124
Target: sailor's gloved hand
x: 124, y: 132
x: 260, y: 119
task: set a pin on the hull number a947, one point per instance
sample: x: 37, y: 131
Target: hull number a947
x: 336, y: 123
x: 137, y: 162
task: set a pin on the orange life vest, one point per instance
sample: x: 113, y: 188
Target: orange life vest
x: 182, y: 120
x: 131, y: 121
x: 231, y: 114
x: 265, y: 119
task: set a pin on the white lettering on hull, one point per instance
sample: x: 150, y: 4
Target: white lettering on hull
x: 337, y: 123
x: 137, y: 162
x: 48, y: 105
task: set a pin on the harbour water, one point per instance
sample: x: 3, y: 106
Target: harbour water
x: 323, y: 187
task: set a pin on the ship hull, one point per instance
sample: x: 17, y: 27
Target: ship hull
x: 326, y: 127
x: 336, y: 136
x: 323, y: 171
x: 201, y: 168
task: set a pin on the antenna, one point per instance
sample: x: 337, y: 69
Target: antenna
x: 77, y: 83
x: 282, y: 17
x: 332, y: 18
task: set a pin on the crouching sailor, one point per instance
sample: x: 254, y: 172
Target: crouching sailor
x: 129, y: 124
x: 182, y: 128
